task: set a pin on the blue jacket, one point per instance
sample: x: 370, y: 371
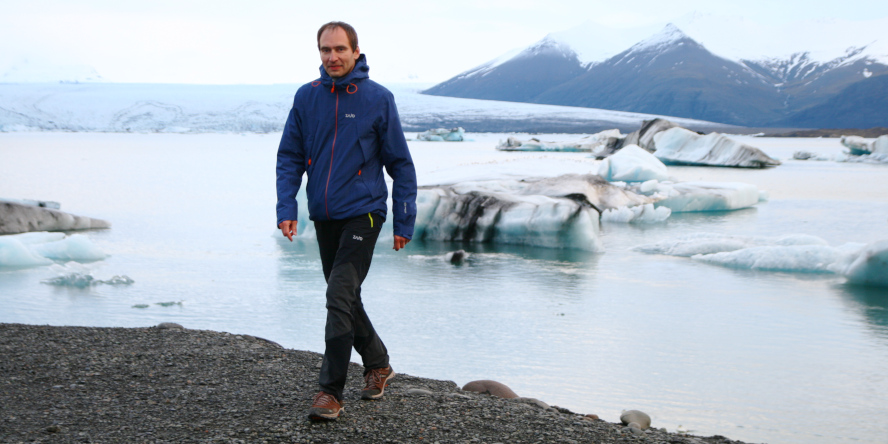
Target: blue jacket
x: 342, y: 134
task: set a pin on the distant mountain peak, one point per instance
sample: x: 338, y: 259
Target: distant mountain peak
x: 668, y: 36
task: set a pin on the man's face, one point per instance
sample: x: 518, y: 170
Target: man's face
x: 336, y: 53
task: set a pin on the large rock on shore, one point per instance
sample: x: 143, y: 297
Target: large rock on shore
x: 20, y: 218
x: 492, y: 388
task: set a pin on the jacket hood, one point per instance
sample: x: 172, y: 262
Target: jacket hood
x: 360, y: 72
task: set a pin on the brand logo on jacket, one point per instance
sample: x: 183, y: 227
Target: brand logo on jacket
x: 349, y: 116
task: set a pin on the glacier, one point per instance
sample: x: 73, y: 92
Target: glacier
x: 678, y: 146
x: 168, y: 108
x: 43, y: 248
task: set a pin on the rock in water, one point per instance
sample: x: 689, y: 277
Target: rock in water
x: 636, y: 419
x: 18, y: 218
x: 457, y: 257
x: 488, y: 387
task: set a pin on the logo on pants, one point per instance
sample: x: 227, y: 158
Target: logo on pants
x: 355, y: 237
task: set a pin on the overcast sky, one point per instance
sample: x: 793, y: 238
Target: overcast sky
x: 273, y: 41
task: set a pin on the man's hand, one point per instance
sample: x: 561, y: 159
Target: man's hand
x: 288, y: 227
x: 400, y: 242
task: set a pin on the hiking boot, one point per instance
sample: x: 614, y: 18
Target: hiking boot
x: 324, y: 407
x: 376, y: 380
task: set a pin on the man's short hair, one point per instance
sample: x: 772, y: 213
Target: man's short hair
x: 349, y: 31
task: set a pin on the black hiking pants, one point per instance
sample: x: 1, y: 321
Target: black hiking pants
x: 346, y: 250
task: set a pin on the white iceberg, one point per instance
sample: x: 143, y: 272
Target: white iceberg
x: 588, y: 144
x: 42, y: 248
x: 870, y: 267
x: 858, y: 263
x: 707, y: 196
x: 710, y: 243
x: 861, y: 151
x: 632, y: 164
x: 678, y: 146
x: 857, y: 146
x: 442, y: 135
x: 880, y: 145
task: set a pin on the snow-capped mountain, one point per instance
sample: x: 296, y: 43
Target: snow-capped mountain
x: 725, y: 69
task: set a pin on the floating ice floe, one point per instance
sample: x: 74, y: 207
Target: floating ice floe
x: 685, y: 197
x: 859, y: 263
x: 678, y: 146
x: 442, y: 135
x: 18, y: 217
x: 42, y: 248
x: 588, y: 144
x: 73, y: 274
x: 632, y: 164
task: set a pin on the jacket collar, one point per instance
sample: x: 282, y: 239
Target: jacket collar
x: 360, y: 72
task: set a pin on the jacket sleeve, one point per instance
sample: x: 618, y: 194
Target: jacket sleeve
x: 290, y: 167
x: 399, y: 165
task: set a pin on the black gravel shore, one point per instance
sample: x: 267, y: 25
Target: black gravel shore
x: 160, y: 385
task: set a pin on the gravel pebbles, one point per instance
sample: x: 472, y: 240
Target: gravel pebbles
x: 167, y: 384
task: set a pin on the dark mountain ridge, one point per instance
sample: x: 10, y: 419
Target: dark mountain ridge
x: 672, y: 74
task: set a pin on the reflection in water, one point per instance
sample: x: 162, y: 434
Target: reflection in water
x: 872, y: 302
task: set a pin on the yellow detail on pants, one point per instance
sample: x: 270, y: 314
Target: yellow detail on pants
x: 371, y: 220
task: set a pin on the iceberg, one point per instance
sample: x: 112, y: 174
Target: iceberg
x: 861, y: 151
x: 880, y: 145
x: 588, y: 144
x: 42, y: 248
x: 558, y: 212
x: 864, y: 264
x: 710, y: 196
x: 678, y: 146
x: 632, y: 164
x: 710, y: 243
x: 442, y: 135
x: 857, y: 146
x: 21, y: 218
x: 644, y: 136
x: 870, y: 267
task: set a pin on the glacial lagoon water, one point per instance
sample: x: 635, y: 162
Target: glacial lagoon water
x: 760, y: 356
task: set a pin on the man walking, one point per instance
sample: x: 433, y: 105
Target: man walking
x: 343, y: 129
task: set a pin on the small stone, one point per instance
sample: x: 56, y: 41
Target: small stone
x: 53, y: 429
x: 533, y: 401
x: 418, y: 392
x: 591, y: 417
